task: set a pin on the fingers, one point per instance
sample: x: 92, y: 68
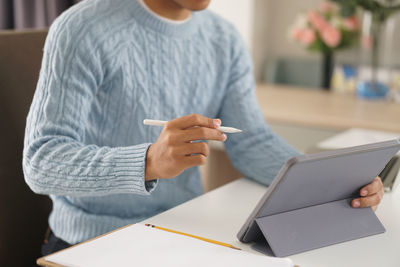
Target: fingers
x: 195, y: 160
x: 193, y: 120
x: 200, y: 151
x: 369, y: 201
x: 202, y: 133
x: 371, y: 195
x: 194, y: 148
x: 372, y: 188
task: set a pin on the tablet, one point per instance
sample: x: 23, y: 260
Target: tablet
x: 311, y: 184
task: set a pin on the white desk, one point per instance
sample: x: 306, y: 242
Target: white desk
x: 219, y: 215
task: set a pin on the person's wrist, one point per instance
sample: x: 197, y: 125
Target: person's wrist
x: 149, y: 175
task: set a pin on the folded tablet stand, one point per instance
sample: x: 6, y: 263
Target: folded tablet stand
x: 317, y: 226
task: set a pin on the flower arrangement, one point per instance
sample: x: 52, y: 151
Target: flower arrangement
x: 325, y: 29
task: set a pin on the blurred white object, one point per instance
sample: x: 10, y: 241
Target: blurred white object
x: 356, y: 137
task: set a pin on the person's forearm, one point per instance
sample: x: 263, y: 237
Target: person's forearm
x: 62, y: 166
x: 260, y: 155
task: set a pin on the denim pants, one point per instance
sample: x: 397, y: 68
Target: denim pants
x: 52, y: 243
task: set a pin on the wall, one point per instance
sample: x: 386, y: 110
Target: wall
x: 240, y: 13
x: 262, y: 38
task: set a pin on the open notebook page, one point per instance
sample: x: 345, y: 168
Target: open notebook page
x: 139, y: 245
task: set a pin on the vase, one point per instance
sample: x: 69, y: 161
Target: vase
x: 327, y: 70
x: 376, y: 63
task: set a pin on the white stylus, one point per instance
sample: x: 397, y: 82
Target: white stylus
x: 162, y: 123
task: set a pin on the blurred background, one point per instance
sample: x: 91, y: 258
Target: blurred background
x: 284, y: 35
x: 328, y: 76
x: 268, y: 29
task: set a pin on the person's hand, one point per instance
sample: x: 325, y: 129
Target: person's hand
x: 174, y: 151
x: 371, y: 195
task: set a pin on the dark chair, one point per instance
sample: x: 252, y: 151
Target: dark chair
x: 23, y: 214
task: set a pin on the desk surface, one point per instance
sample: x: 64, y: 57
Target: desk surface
x: 318, y: 108
x: 219, y: 215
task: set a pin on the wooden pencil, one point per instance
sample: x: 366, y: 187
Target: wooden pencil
x: 197, y: 237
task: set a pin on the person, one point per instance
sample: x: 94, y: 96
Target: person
x: 109, y: 64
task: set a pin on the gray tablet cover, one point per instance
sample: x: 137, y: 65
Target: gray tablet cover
x: 307, y: 206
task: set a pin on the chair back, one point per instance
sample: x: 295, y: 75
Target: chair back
x: 23, y: 213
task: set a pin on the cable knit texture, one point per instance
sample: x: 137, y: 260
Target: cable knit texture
x: 109, y: 64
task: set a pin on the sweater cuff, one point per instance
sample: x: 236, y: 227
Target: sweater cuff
x: 131, y: 169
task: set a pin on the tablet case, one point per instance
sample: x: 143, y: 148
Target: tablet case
x: 307, y: 205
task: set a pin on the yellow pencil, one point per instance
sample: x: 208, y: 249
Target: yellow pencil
x: 198, y: 237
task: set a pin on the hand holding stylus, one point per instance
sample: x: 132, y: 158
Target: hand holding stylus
x: 174, y: 151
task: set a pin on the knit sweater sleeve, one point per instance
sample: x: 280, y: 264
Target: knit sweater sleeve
x: 56, y: 159
x: 257, y: 152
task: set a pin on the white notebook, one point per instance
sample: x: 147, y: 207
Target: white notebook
x: 139, y: 245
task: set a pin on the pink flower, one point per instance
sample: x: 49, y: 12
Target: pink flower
x: 305, y: 36
x: 351, y: 23
x: 326, y: 7
x: 297, y: 34
x: 317, y: 21
x: 331, y: 36
x: 308, y: 37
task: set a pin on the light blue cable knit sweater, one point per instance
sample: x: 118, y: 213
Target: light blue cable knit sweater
x: 109, y: 64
